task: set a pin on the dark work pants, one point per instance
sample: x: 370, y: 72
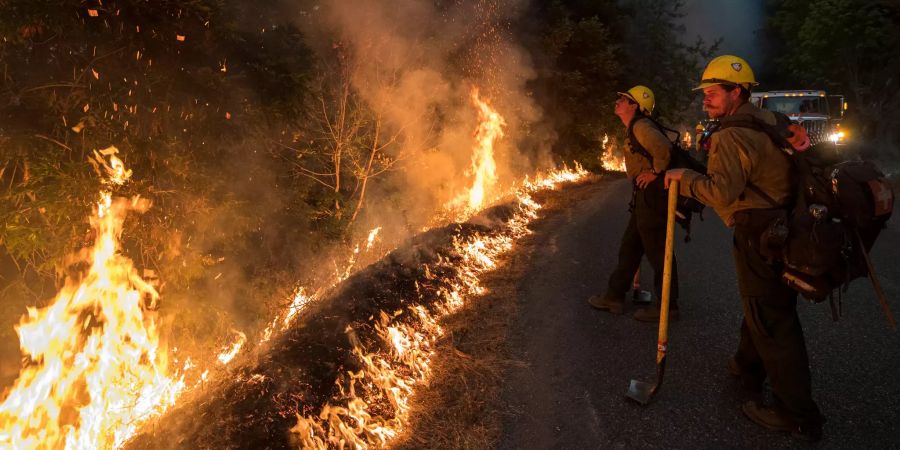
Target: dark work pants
x: 645, y: 235
x: 772, y: 342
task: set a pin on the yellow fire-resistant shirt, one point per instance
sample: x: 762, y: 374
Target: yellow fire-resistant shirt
x: 738, y: 156
x: 654, y: 141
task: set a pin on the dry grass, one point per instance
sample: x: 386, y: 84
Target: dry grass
x: 457, y: 409
x: 461, y: 407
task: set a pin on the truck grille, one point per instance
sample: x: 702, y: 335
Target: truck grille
x: 816, y: 129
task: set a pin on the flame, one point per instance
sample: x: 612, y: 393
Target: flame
x: 608, y: 158
x: 371, y: 239
x: 96, y: 369
x: 227, y: 355
x: 373, y: 404
x: 301, y: 299
x: 297, y: 304
x: 490, y: 129
x: 484, y: 169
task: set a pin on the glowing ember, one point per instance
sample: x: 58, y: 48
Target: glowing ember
x: 96, y: 370
x: 373, y: 406
x: 608, y: 157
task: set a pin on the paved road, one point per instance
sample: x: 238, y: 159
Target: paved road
x: 579, y: 361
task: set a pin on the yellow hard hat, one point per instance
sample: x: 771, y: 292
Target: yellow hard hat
x: 643, y: 96
x: 727, y: 69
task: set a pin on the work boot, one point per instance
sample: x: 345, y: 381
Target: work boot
x: 776, y: 420
x: 607, y: 303
x: 651, y: 314
x: 748, y: 380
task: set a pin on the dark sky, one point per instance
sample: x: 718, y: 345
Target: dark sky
x: 737, y: 21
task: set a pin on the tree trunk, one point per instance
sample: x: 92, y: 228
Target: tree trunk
x: 365, y: 175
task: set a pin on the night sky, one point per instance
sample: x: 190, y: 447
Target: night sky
x: 736, y: 21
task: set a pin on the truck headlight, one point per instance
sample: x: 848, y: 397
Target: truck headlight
x: 837, y: 136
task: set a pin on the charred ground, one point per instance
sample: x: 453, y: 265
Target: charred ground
x: 257, y: 402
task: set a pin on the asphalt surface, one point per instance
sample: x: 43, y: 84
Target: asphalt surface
x: 571, y: 392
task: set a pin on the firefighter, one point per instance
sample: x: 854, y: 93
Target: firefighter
x: 744, y: 164
x: 647, y: 155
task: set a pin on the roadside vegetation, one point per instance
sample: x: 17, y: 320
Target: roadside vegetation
x: 266, y: 159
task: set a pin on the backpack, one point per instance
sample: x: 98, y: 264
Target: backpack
x: 840, y: 208
x: 679, y: 157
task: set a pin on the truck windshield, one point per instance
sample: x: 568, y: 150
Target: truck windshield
x: 796, y: 105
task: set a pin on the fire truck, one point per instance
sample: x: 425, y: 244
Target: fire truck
x: 816, y: 111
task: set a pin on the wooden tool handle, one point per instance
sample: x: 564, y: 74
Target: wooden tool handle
x: 663, y: 340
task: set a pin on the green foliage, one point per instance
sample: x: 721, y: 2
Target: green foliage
x: 256, y: 152
x: 189, y: 91
x: 659, y: 59
x: 591, y: 50
x: 848, y: 47
x: 579, y: 66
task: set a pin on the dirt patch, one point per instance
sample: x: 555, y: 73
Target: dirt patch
x: 458, y: 409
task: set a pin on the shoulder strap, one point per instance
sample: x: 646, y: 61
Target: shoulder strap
x: 778, y: 133
x: 636, y: 146
x: 774, y: 133
x: 666, y: 132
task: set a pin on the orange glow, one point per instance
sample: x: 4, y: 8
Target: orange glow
x: 373, y: 407
x: 227, y: 355
x: 96, y: 368
x: 484, y: 168
x: 490, y: 130
x: 608, y: 157
x: 687, y: 140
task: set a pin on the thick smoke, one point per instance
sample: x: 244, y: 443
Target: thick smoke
x: 414, y: 63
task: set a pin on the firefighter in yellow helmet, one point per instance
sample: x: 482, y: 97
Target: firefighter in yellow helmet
x: 647, y: 156
x: 643, y: 96
x: 749, y: 185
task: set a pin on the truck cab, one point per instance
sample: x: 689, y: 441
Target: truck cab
x: 818, y: 112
